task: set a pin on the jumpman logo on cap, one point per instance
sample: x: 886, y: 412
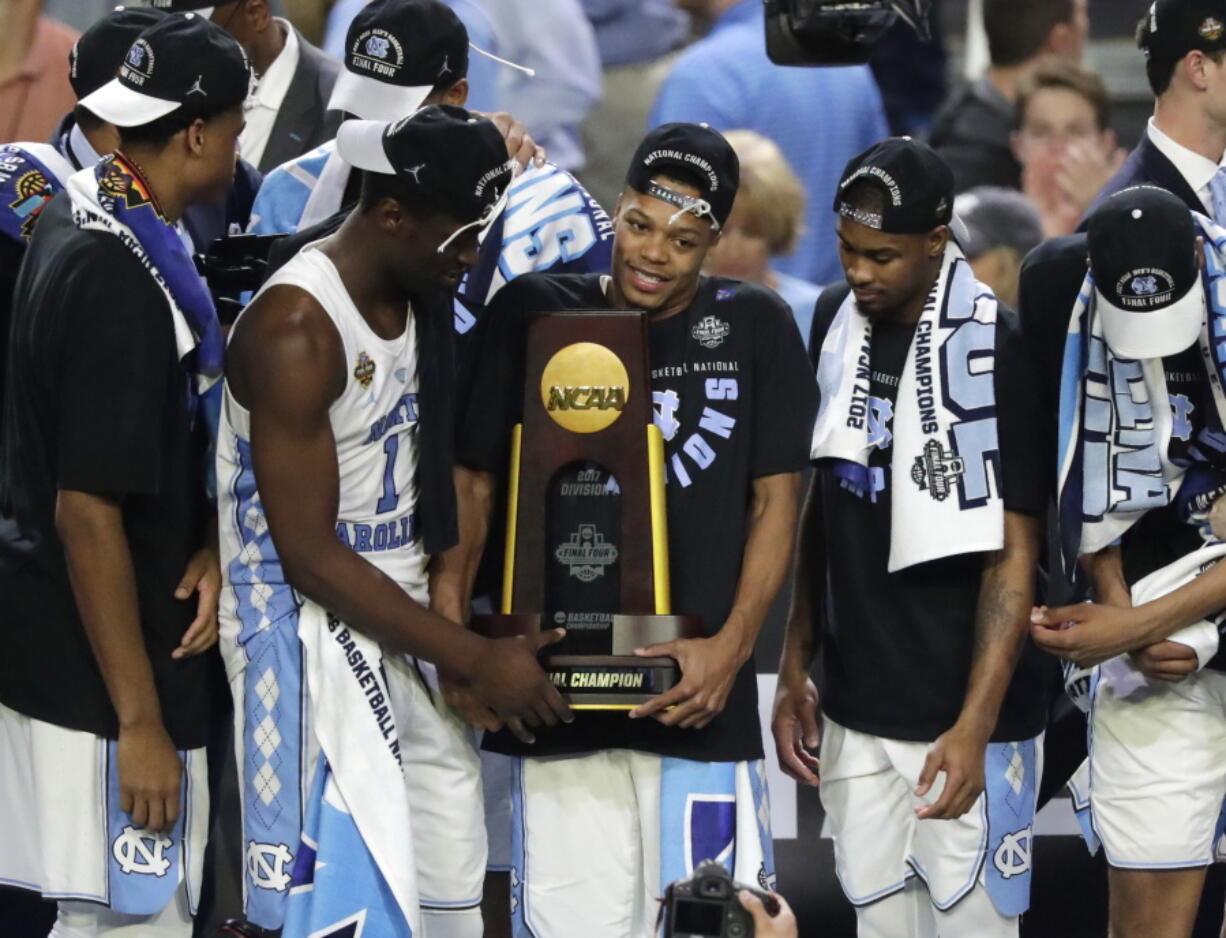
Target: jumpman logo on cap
x: 196, y: 89
x: 415, y: 170
x: 446, y: 66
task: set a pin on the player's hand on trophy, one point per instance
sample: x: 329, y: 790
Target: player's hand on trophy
x: 510, y: 680
x: 708, y: 669
x: 959, y: 753
x: 150, y: 772
x: 461, y: 698
x: 1166, y: 661
x: 796, y: 727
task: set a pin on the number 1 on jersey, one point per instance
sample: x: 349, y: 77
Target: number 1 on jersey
x: 390, y: 498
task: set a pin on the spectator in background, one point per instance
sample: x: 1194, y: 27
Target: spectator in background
x: 819, y: 117
x: 34, y: 89
x: 555, y: 39
x: 972, y: 133
x: 1184, y: 43
x: 765, y: 223
x: 1001, y: 228
x: 287, y: 113
x: 482, y: 71
x: 636, y: 39
x: 1064, y: 143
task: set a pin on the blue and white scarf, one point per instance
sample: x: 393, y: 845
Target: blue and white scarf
x: 945, y: 487
x: 113, y: 197
x: 30, y: 176
x: 1116, y: 424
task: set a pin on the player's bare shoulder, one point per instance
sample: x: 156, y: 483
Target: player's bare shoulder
x: 285, y: 337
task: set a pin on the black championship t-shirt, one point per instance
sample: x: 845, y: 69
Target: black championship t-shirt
x: 97, y: 402
x: 735, y: 399
x: 1050, y: 280
x: 896, y: 647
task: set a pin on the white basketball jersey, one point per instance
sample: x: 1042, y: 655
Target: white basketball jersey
x: 375, y: 425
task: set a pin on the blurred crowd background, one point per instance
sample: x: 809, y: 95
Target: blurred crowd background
x: 1034, y: 104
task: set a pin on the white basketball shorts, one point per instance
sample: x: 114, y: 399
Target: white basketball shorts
x: 65, y: 836
x: 277, y: 752
x: 867, y: 789
x: 597, y: 837
x: 1158, y: 770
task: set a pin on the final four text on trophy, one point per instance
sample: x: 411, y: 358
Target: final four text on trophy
x: 587, y: 529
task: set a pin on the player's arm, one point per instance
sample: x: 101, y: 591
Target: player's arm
x: 1006, y: 592
x: 795, y: 721
x: 453, y: 572
x: 287, y: 367
x: 709, y: 665
x: 1101, y: 632
x: 452, y: 575
x: 104, y: 587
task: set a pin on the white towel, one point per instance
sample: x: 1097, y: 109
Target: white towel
x: 353, y: 718
x: 945, y: 491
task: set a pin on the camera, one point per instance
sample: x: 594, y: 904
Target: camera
x: 706, y: 906
x: 836, y: 32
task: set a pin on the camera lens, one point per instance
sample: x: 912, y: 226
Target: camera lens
x: 735, y: 930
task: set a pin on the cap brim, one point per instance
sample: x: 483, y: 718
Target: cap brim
x: 1155, y: 333
x: 372, y: 100
x: 120, y: 105
x: 360, y: 144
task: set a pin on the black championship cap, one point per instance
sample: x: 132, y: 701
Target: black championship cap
x: 1142, y: 245
x: 457, y: 159
x: 181, y: 61
x: 97, y: 55
x: 701, y: 155
x: 396, y: 52
x: 1176, y: 27
x: 917, y: 184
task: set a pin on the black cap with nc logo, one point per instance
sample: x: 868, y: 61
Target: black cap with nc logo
x: 1142, y: 244
x: 181, y: 61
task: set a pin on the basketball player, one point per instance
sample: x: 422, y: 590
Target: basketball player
x: 335, y: 459
x: 917, y: 555
x: 1157, y: 764
x: 106, y: 683
x: 734, y: 400
x: 551, y: 222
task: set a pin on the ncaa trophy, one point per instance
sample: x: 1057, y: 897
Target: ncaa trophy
x: 586, y: 530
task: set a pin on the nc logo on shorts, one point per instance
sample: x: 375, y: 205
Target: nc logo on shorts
x: 378, y: 47
x: 1012, y: 857
x: 266, y: 865
x: 141, y: 851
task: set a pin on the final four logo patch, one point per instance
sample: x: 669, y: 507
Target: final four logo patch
x: 936, y: 470
x: 586, y: 554
x: 364, y: 370
x: 33, y: 193
x: 1211, y: 29
x: 710, y: 332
